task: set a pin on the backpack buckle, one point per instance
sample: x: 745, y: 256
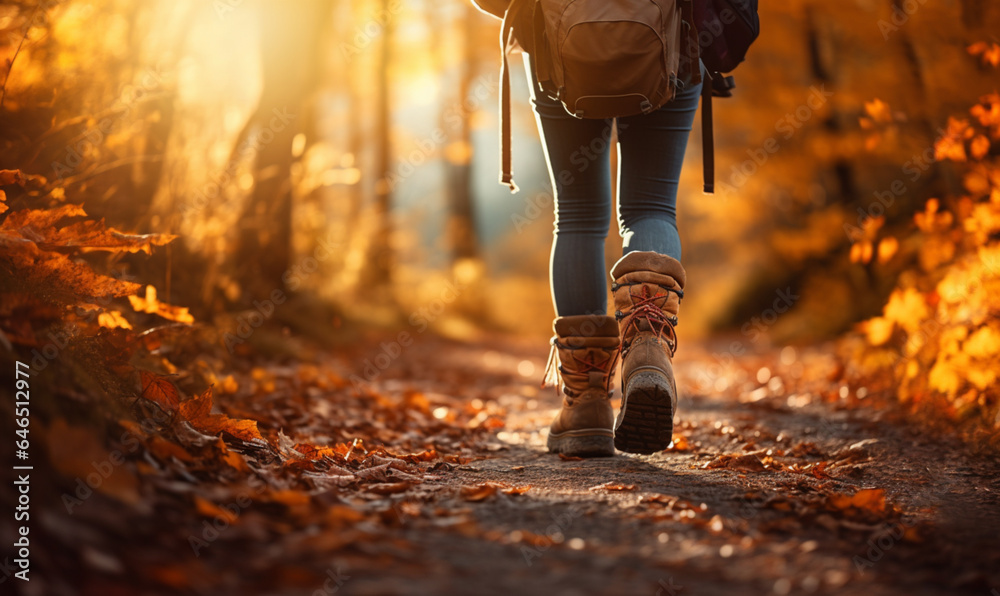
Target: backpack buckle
x: 645, y: 106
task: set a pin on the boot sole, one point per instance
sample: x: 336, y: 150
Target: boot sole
x: 646, y: 422
x: 582, y: 445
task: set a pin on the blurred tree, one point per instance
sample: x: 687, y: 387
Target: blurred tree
x: 377, y: 269
x: 462, y: 236
x: 289, y: 38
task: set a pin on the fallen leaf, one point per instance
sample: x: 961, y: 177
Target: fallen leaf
x: 159, y: 390
x: 613, y: 486
x: 479, y: 492
x: 149, y: 304
x: 197, y: 407
x: 749, y: 462
x: 516, y: 490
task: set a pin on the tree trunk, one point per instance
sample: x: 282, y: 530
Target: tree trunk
x: 379, y: 259
x: 290, y: 35
x: 462, y: 236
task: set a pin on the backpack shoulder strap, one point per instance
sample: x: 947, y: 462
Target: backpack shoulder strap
x: 707, y: 135
x: 506, y: 39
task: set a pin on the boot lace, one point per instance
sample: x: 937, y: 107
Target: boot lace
x: 645, y: 308
x: 554, y: 369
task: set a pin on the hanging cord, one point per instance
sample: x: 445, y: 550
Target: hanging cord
x: 554, y: 369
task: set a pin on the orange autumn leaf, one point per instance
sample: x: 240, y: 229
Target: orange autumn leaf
x: 987, y: 112
x: 210, y: 509
x: 614, y: 486
x: 861, y: 252
x: 314, y: 452
x: 878, y: 329
x: 952, y: 144
x: 680, y: 443
x: 53, y: 273
x: 989, y: 53
x: 479, y: 492
x: 159, y: 390
x: 516, y: 490
x: 870, y: 499
x: 241, y: 428
x: 149, y: 304
x: 197, y: 407
x: 45, y: 228
x: 113, y: 320
x: 887, y: 249
x: 197, y: 411
x: 979, y: 146
x: 37, y: 224
x: 92, y: 235
x: 11, y: 177
x: 878, y: 112
x: 288, y: 497
x: 908, y: 308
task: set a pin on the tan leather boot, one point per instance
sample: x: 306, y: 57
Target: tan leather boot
x: 583, y: 358
x: 647, y: 288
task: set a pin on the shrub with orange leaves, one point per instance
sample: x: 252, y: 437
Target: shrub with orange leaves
x: 939, y: 334
x: 45, y: 278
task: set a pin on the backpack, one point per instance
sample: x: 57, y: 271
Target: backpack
x: 607, y: 59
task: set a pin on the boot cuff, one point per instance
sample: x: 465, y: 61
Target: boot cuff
x: 641, y: 261
x: 584, y: 326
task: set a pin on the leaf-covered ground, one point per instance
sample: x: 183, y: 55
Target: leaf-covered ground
x: 287, y: 477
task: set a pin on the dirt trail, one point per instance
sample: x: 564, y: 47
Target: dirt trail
x: 774, y: 486
x: 727, y: 512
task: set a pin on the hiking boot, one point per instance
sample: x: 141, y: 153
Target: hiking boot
x: 647, y: 288
x: 582, y: 361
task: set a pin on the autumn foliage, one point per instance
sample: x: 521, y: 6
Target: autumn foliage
x: 936, y: 344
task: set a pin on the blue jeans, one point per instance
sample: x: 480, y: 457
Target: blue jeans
x: 651, y: 153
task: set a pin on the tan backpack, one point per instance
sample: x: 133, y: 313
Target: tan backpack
x: 600, y: 59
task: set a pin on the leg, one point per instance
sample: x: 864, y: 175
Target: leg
x: 649, y: 279
x: 578, y: 156
x: 652, y: 153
